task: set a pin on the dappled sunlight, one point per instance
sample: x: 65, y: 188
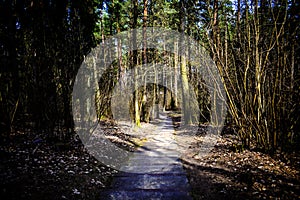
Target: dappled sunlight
x: 154, y: 170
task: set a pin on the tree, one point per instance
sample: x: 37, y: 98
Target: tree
x: 48, y: 42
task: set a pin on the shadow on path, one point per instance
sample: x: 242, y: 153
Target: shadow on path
x: 154, y: 171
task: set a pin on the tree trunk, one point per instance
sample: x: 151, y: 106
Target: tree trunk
x: 183, y: 68
x: 137, y: 117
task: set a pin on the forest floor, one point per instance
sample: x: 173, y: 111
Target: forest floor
x: 31, y: 168
x: 230, y: 172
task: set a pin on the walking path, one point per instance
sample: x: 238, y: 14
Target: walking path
x: 156, y: 170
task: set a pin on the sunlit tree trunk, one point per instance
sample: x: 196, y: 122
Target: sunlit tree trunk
x: 183, y: 67
x: 137, y: 117
x: 175, y: 99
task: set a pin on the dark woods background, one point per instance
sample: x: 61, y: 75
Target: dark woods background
x: 255, y: 45
x: 42, y: 46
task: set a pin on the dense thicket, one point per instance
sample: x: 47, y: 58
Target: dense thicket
x: 255, y: 45
x: 42, y: 46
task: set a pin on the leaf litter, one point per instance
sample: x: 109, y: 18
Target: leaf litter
x: 35, y: 169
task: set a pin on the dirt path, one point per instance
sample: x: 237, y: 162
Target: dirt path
x: 154, y: 171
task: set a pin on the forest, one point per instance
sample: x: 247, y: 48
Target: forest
x: 253, y: 45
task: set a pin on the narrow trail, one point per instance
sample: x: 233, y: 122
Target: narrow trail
x: 156, y: 170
